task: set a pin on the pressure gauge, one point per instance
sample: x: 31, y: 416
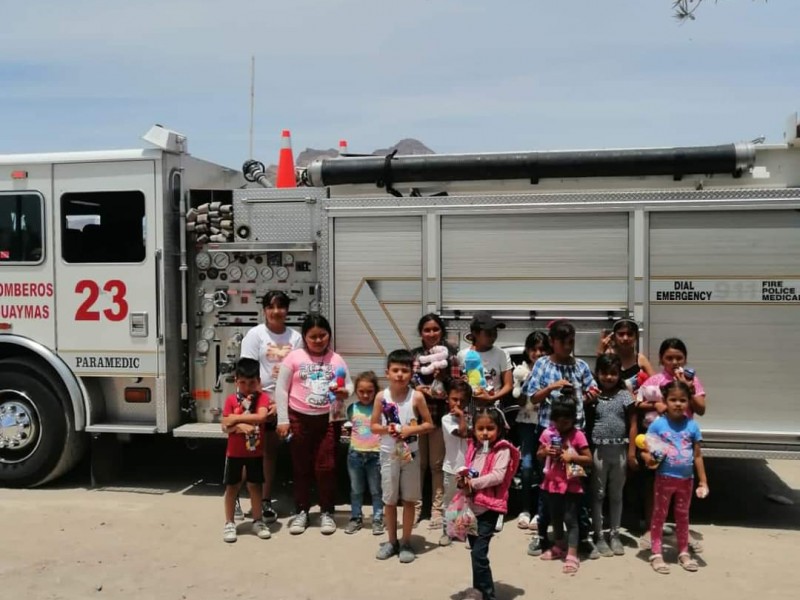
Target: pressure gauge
x: 234, y: 272
x: 266, y: 273
x: 202, y: 260
x: 203, y: 346
x: 250, y: 273
x: 282, y: 273
x: 221, y: 260
x: 207, y: 306
x: 288, y: 259
x: 208, y: 334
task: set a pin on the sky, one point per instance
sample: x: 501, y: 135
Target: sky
x: 459, y: 75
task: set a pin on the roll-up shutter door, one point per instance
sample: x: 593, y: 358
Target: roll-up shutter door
x: 726, y: 283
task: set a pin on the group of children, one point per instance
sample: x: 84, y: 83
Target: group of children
x: 579, y: 433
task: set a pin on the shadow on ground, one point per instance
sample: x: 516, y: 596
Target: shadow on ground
x: 744, y: 493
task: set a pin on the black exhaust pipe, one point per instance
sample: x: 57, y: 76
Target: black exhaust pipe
x: 389, y: 170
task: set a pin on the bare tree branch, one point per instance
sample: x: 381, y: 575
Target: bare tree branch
x: 685, y: 9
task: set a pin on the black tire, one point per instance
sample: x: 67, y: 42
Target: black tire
x: 24, y: 382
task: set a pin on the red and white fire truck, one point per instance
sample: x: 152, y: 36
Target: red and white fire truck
x: 128, y: 278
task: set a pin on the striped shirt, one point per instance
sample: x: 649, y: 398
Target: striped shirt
x: 546, y: 372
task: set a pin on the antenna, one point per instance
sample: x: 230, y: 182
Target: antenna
x: 252, y: 98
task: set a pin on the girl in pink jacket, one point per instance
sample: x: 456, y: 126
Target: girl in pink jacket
x: 491, y: 463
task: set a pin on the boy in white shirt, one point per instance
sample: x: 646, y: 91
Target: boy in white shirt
x: 456, y: 434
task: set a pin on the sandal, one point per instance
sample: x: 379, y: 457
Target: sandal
x: 435, y: 523
x: 524, y: 520
x: 658, y: 564
x: 571, y: 565
x: 686, y: 562
x: 554, y: 553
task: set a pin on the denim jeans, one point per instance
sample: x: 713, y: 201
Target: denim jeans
x: 365, y: 470
x: 530, y: 465
x: 479, y: 544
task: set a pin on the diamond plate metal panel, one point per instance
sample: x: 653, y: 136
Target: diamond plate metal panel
x: 588, y: 200
x: 279, y: 215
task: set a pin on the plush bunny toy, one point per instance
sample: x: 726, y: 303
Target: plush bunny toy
x: 435, y: 359
x: 519, y: 375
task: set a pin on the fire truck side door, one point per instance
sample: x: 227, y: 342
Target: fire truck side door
x: 106, y: 286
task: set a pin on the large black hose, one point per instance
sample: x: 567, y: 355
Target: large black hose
x: 389, y: 170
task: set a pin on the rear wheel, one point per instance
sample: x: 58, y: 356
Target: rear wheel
x: 37, y: 437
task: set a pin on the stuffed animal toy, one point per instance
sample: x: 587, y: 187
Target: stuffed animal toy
x: 473, y: 367
x: 337, y: 383
x: 435, y: 359
x: 519, y: 375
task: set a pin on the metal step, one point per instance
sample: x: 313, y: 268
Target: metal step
x: 200, y: 430
x: 133, y: 428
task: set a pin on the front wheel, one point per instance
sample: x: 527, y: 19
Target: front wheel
x: 36, y: 430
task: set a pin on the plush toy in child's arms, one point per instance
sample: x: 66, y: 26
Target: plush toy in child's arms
x: 473, y: 367
x: 435, y: 359
x: 519, y: 375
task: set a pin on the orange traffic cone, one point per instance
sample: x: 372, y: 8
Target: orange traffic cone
x: 286, y: 177
x: 342, y: 147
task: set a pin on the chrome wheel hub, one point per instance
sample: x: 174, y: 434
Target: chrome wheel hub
x: 19, y: 426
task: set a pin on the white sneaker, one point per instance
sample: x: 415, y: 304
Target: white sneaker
x: 524, y: 520
x: 261, y: 530
x: 500, y: 520
x: 298, y: 523
x: 229, y: 532
x: 327, y: 524
x: 534, y: 526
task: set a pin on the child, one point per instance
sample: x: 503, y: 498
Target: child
x: 454, y: 427
x: 554, y: 376
x: 400, y: 415
x: 496, y: 367
x: 681, y: 438
x: 496, y: 361
x: 496, y: 461
x: 561, y: 445
x: 363, y: 463
x: 536, y: 346
x: 243, y: 417
x: 672, y: 355
x: 613, y: 419
x: 623, y: 340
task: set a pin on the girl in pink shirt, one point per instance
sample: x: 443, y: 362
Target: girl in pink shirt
x: 303, y: 396
x: 564, y: 448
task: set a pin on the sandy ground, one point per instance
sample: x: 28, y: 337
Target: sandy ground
x: 158, y: 535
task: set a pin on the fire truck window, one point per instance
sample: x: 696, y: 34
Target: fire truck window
x: 103, y: 227
x: 21, y: 227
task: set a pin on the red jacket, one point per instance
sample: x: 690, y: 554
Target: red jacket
x: 495, y: 498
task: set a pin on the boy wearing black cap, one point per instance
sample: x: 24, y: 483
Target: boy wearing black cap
x: 496, y: 361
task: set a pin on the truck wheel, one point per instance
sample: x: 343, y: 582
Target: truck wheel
x: 36, y: 429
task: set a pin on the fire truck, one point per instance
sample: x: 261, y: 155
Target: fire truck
x: 128, y: 278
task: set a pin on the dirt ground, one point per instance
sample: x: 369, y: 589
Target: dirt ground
x: 158, y: 534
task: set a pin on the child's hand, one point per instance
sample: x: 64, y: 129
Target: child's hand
x: 552, y: 451
x: 245, y: 428
x: 633, y: 464
x: 702, y: 491
x: 557, y: 385
x: 457, y: 412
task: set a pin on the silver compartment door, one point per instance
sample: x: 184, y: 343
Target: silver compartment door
x: 744, y: 348
x: 377, y: 269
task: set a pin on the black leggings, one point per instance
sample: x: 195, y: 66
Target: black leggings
x: 564, y: 512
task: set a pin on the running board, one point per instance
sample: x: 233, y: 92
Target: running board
x: 200, y: 430
x: 133, y: 428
